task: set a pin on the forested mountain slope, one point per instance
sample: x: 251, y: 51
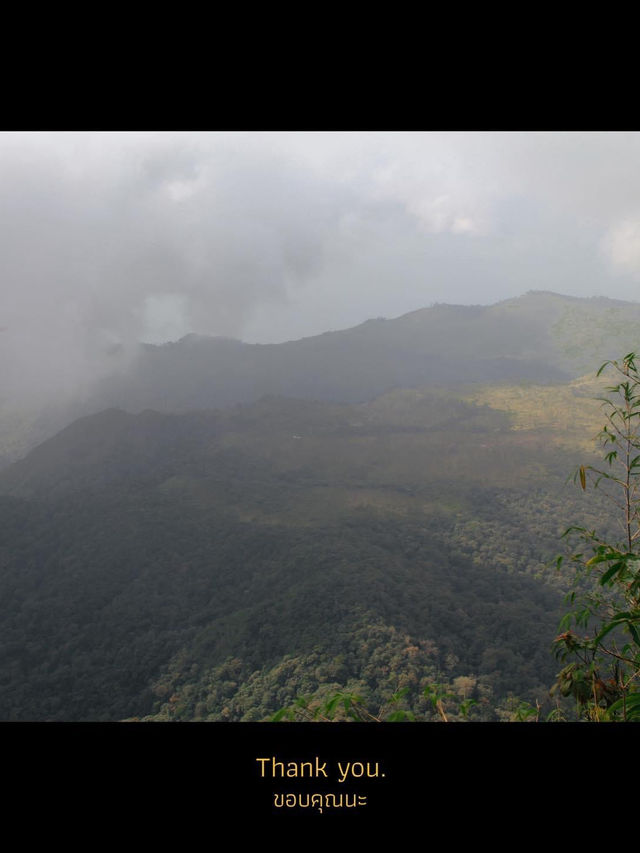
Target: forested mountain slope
x: 213, y: 564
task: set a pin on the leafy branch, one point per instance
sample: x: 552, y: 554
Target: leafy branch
x: 603, y: 676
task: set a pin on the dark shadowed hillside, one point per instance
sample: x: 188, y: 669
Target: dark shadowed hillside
x: 214, y: 564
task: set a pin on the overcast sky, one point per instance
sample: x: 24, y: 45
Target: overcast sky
x: 111, y: 238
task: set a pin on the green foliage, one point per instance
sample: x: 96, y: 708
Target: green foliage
x: 350, y: 706
x: 515, y: 710
x: 343, y: 706
x: 133, y: 602
x: 446, y: 705
x: 215, y: 565
x: 601, y: 633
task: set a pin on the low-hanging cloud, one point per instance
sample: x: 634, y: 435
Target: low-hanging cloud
x: 157, y: 235
x: 110, y: 239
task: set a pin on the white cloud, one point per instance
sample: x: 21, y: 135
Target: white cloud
x: 622, y: 245
x: 269, y: 236
x: 164, y: 317
x: 464, y: 225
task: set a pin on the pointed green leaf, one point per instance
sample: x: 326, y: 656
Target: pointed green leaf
x: 611, y: 572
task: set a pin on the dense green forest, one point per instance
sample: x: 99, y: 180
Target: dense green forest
x: 215, y: 564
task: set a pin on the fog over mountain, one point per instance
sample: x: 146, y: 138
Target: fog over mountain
x: 110, y: 239
x: 285, y: 414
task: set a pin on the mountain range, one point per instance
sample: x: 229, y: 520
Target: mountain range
x: 224, y: 527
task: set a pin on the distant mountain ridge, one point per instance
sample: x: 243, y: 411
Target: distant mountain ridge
x: 541, y: 337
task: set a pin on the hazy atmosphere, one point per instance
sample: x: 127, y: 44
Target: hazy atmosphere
x: 292, y: 426
x: 112, y: 238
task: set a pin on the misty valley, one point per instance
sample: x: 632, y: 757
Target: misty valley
x: 217, y: 529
